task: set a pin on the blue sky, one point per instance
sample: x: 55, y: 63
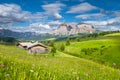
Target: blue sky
x: 45, y: 15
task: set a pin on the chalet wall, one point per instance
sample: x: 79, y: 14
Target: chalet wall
x: 37, y: 49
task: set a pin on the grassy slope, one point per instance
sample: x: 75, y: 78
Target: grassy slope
x: 114, y: 34
x: 18, y: 65
x: 110, y: 54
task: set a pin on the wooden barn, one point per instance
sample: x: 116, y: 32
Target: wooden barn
x: 33, y: 47
x: 38, y: 48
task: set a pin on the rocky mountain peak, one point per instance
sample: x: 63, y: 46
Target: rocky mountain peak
x: 63, y: 24
x: 67, y: 29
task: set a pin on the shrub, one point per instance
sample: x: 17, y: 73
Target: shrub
x: 62, y: 48
x: 51, y: 43
x: 78, y: 39
x: 89, y: 51
x: 53, y: 50
x: 102, y: 46
x: 84, y: 50
x: 67, y: 41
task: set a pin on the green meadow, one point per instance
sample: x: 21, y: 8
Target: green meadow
x: 104, y: 50
x: 85, y: 60
x: 114, y: 34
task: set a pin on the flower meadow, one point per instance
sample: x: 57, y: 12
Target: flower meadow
x: 17, y: 64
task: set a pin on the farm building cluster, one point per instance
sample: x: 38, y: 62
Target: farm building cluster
x: 33, y: 47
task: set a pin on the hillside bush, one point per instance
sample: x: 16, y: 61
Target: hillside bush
x: 62, y: 48
x: 67, y: 42
x: 51, y: 43
x: 53, y: 50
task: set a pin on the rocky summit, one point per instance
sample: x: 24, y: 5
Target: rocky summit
x: 68, y: 29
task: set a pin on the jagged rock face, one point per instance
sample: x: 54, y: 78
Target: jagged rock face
x: 73, y: 30
x: 67, y: 29
x: 85, y: 28
x: 62, y: 30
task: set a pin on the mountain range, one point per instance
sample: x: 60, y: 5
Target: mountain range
x: 68, y: 29
x: 23, y: 35
x: 64, y: 29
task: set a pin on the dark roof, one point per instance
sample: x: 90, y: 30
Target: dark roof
x: 36, y: 44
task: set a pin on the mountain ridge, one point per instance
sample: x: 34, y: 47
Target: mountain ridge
x: 68, y: 29
x: 9, y: 33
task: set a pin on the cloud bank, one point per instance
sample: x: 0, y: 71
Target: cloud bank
x: 52, y: 14
x: 81, y: 8
x: 53, y: 10
x: 10, y: 13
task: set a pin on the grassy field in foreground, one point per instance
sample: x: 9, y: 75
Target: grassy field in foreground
x: 17, y: 64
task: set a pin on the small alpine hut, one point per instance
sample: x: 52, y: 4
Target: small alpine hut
x: 37, y: 48
x: 24, y: 45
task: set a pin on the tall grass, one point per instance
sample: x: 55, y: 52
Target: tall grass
x: 17, y: 64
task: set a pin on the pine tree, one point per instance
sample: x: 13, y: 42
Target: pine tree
x: 62, y: 48
x: 67, y: 42
x: 51, y: 43
x: 53, y: 51
x: 78, y: 39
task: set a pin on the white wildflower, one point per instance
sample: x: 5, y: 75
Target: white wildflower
x: 86, y: 74
x: 33, y: 64
x: 74, y: 72
x: 7, y: 75
x: 114, y: 64
x: 31, y: 70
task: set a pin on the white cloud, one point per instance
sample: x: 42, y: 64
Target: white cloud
x: 54, y: 24
x: 86, y: 16
x: 97, y: 23
x: 10, y: 13
x: 39, y: 25
x: 114, y: 20
x: 54, y: 7
x: 110, y: 24
x: 113, y: 28
x: 53, y: 10
x: 117, y: 13
x: 38, y: 16
x: 34, y: 27
x: 57, y: 16
x: 106, y: 22
x: 83, y: 7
